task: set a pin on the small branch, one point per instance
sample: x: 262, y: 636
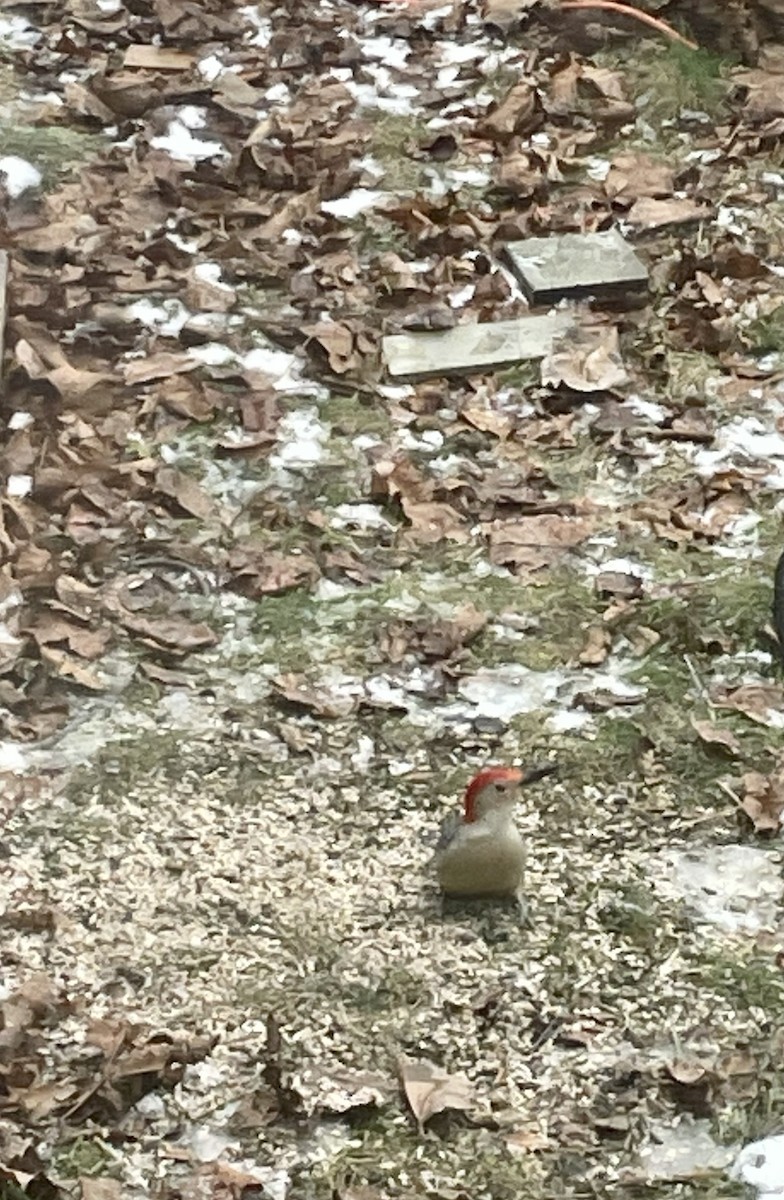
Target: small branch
x: 646, y: 18
x: 3, y: 303
x: 702, y: 691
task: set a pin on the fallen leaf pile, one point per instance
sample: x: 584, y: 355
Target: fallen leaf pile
x: 140, y: 282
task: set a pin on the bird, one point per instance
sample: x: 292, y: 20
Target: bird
x: 480, y: 851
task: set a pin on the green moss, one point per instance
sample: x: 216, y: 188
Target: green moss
x: 633, y: 913
x: 765, y: 334
x: 84, y: 1156
x: 393, y: 138
x: 352, y: 415
x: 668, y: 77
x: 53, y: 149
x: 744, y: 978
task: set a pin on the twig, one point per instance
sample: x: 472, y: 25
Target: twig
x: 700, y: 686
x: 646, y: 18
x: 725, y: 787
x: 3, y: 291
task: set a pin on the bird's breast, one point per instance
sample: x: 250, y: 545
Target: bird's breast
x: 482, y: 864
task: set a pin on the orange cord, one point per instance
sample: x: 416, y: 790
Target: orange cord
x: 646, y: 18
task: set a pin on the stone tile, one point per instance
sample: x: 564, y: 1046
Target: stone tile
x: 573, y: 265
x: 472, y: 348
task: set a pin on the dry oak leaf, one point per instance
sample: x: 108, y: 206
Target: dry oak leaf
x: 760, y: 702
x: 515, y: 114
x: 175, y: 635
x: 430, y: 1090
x: 712, y: 735
x: 649, y: 213
x: 535, y: 541
x: 588, y: 360
x: 763, y: 800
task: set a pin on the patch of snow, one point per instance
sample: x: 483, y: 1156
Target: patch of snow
x: 210, y: 272
x: 351, y: 205
x: 151, y: 1105
x: 428, y: 443
x: 567, y: 720
x: 368, y: 96
x: 506, y: 691
x: 462, y: 296
x: 682, y: 1151
x: 597, y: 169
x: 20, y: 420
x: 278, y: 93
x: 262, y: 26
x: 188, y: 246
x: 447, y: 53
x: 621, y: 566
x: 12, y: 758
x: 211, y: 67
x: 359, y: 516
x: 167, y: 318
x: 392, y: 52
x: 20, y: 175
x: 761, y: 1166
x: 19, y: 485
x: 743, y: 437
x: 363, y: 756
x: 180, y: 143
x: 647, y: 408
x: 301, y: 438
x: 213, y: 354
x: 736, y: 888
x: 16, y: 33
x: 206, y: 1145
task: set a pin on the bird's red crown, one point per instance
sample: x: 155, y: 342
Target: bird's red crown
x: 488, y: 776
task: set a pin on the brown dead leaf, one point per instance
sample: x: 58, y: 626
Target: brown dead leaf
x: 587, y: 360
x: 486, y: 420
x: 101, y: 1187
x: 760, y: 702
x: 430, y: 1090
x: 260, y: 571
x: 526, y: 1140
x: 504, y: 14
x: 72, y: 669
x: 175, y: 635
x: 763, y: 799
x: 712, y: 735
x: 434, y: 640
x: 650, y: 213
x: 158, y: 58
x: 297, y: 690
x: 596, y: 647
x: 157, y: 366
x: 434, y: 521
x: 534, y: 542
x: 515, y: 114
x: 186, y: 491
x: 337, y: 342
x: 687, y: 1071
x: 633, y: 175
x: 621, y: 584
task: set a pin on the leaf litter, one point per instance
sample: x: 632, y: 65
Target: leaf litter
x: 262, y: 613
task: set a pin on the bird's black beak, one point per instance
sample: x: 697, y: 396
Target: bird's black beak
x: 532, y: 774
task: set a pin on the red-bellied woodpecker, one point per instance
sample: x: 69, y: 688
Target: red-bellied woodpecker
x: 481, y: 852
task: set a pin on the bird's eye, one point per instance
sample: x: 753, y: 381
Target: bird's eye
x: 500, y: 787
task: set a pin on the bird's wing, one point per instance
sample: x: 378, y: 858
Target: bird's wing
x: 449, y: 827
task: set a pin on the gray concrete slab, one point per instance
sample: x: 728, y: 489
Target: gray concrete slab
x: 472, y: 348
x: 574, y: 265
